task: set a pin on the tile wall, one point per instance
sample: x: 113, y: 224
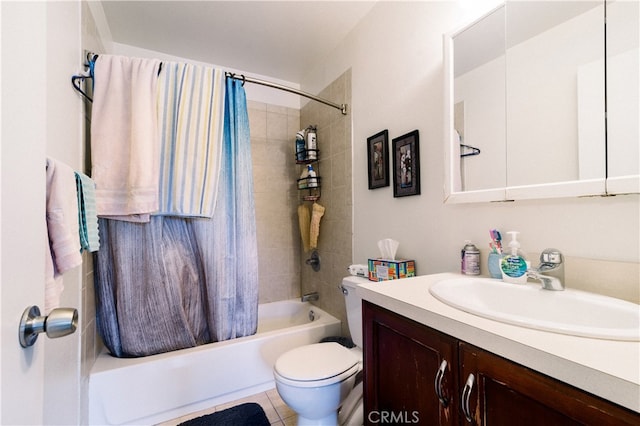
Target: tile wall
x: 273, y: 130
x: 335, y: 242
x: 90, y: 342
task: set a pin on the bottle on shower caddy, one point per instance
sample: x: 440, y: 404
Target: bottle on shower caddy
x: 301, y: 153
x: 312, y: 180
x: 311, y: 143
x: 303, y: 182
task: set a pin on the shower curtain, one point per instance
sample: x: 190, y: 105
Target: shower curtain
x: 174, y: 282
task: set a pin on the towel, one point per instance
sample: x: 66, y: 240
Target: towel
x: 62, y: 229
x: 317, y: 211
x: 87, y: 217
x: 304, y: 220
x: 124, y: 137
x: 190, y: 115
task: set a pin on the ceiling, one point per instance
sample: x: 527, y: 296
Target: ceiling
x: 279, y: 39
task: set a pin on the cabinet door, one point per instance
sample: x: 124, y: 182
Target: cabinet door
x: 402, y: 360
x: 506, y: 393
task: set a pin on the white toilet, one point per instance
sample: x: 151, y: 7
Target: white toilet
x: 315, y: 380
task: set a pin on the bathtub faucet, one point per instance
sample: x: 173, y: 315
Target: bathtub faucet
x: 310, y: 297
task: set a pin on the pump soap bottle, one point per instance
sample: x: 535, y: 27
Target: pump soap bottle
x: 514, y: 265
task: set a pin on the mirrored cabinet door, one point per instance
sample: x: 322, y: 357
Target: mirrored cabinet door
x: 623, y: 112
x: 479, y: 103
x: 555, y: 92
x: 542, y: 101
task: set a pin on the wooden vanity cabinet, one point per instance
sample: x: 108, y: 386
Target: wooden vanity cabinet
x: 506, y: 393
x: 402, y: 360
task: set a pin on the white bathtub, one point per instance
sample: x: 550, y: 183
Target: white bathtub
x: 161, y: 387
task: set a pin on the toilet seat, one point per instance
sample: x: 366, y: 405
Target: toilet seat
x: 319, y: 364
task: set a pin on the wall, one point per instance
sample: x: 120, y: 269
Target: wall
x: 273, y: 129
x: 334, y: 167
x: 395, y: 57
x: 92, y: 41
x: 63, y: 387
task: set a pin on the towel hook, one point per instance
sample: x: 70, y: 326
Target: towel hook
x: 76, y: 85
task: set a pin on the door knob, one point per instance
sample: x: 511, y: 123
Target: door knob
x: 60, y: 322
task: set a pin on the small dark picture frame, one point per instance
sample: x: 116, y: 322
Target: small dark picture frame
x: 406, y: 165
x: 378, y: 159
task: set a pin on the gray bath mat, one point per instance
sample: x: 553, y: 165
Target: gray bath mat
x: 249, y: 414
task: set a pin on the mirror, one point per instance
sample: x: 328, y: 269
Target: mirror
x: 526, y: 87
x: 555, y: 91
x: 623, y: 112
x: 479, y: 103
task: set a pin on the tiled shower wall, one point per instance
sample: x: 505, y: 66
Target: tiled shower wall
x: 335, y: 242
x: 90, y: 343
x: 273, y: 130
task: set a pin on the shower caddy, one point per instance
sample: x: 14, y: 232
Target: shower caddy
x: 304, y: 157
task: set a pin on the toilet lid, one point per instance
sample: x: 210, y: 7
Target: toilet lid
x: 315, y: 362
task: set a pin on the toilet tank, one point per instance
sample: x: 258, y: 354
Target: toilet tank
x: 354, y: 307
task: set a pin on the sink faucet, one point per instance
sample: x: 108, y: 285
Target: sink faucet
x: 550, y: 272
x: 310, y: 297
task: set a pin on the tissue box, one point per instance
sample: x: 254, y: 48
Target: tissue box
x: 383, y: 269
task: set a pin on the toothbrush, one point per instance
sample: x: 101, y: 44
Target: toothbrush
x: 496, y: 238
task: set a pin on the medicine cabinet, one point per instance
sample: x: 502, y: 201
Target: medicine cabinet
x: 541, y: 101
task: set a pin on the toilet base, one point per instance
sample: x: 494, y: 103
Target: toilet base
x: 331, y: 419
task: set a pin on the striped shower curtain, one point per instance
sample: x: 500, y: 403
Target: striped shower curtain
x: 179, y: 282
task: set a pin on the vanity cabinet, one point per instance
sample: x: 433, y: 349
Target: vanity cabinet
x: 401, y: 361
x: 405, y: 382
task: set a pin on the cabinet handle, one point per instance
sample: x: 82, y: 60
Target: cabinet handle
x: 466, y: 395
x: 438, y: 384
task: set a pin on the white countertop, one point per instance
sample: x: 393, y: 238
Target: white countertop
x: 607, y: 368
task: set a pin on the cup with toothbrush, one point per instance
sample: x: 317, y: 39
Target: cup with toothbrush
x: 493, y: 261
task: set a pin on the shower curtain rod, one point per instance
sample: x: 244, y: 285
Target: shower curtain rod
x: 341, y: 107
x: 91, y: 56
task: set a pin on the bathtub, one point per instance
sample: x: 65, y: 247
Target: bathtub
x: 161, y: 387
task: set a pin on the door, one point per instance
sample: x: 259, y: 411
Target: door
x: 40, y: 116
x: 410, y: 371
x: 22, y: 219
x: 505, y: 393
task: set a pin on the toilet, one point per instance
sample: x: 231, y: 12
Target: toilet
x: 316, y: 380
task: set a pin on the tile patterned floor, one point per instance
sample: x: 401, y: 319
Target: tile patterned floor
x: 276, y: 410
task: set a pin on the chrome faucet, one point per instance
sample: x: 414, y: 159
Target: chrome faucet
x: 550, y: 272
x: 310, y: 297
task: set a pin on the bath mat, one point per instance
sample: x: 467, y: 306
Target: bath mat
x: 249, y: 414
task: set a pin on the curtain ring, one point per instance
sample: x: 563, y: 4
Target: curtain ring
x: 243, y: 80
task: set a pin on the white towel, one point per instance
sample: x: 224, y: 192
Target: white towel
x: 62, y: 229
x: 190, y: 115
x: 124, y: 136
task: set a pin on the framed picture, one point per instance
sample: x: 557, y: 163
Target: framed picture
x: 378, y: 159
x: 406, y: 165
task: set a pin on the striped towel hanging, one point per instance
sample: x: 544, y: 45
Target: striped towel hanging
x: 190, y: 116
x: 87, y: 217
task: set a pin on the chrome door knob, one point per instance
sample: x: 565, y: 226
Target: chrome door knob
x: 60, y: 322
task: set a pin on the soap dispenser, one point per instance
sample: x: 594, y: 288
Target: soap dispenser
x: 514, y: 265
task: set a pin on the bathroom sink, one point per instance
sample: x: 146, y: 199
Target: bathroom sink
x: 570, y: 311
